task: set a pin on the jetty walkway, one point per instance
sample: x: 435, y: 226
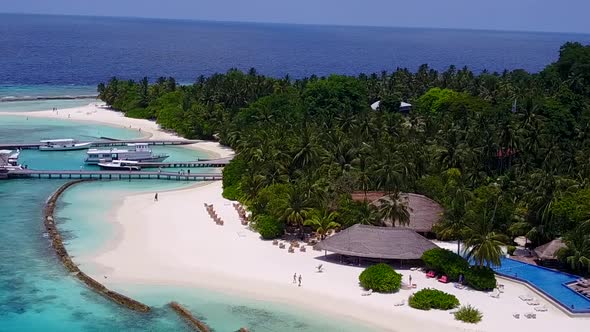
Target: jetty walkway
x: 112, y: 175
x: 105, y: 142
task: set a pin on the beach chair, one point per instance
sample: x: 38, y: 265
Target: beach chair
x: 541, y: 308
x: 400, y: 303
x: 525, y: 297
x: 367, y: 293
x: 495, y: 294
x: 533, y: 302
x: 443, y: 279
x: 430, y: 274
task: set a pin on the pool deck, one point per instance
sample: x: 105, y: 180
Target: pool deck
x: 581, y: 313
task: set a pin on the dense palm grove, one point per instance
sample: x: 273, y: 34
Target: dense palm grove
x: 506, y: 154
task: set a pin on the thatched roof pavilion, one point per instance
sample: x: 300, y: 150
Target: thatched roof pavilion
x: 424, y: 212
x: 548, y: 251
x: 377, y: 242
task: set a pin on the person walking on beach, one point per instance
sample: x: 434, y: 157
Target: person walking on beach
x: 300, y: 280
x: 295, y: 278
x: 156, y: 197
x: 410, y: 280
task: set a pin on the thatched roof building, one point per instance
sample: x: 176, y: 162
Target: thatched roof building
x: 424, y: 212
x: 377, y: 242
x: 548, y: 251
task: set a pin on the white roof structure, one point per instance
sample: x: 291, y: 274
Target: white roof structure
x: 61, y: 140
x: 375, y: 105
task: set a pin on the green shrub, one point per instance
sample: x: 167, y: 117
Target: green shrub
x: 445, y: 262
x: 381, y: 278
x: 510, y: 250
x: 480, y: 278
x: 232, y: 192
x: 468, y: 314
x: 429, y: 298
x: 268, y: 227
x: 233, y: 172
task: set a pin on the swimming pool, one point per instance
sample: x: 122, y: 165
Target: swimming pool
x: 551, y: 283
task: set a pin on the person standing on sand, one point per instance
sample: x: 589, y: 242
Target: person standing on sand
x: 156, y: 197
x: 300, y: 280
x: 295, y: 278
x: 410, y: 280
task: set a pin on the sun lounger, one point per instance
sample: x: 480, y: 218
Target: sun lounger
x: 430, y: 274
x: 526, y: 297
x: 400, y: 303
x: 459, y: 286
x: 516, y: 315
x: 533, y: 302
x: 302, y: 249
x: 291, y: 250
x: 530, y: 315
x: 495, y: 294
x: 275, y: 242
x: 541, y: 308
x: 320, y: 268
x: 413, y: 268
x: 443, y: 279
x: 367, y: 293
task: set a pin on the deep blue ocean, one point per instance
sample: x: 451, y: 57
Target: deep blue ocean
x: 87, y: 50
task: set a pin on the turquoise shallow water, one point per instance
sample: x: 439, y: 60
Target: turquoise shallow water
x: 43, y: 105
x: 36, y: 293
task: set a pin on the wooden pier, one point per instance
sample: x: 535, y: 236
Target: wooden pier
x: 106, y: 142
x: 187, y: 164
x: 113, y: 175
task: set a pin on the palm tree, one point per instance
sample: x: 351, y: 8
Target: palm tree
x: 394, y: 209
x: 367, y: 214
x: 297, y: 208
x: 322, y: 221
x: 577, y: 250
x: 483, y: 242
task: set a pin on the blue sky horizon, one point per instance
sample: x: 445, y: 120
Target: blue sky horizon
x: 502, y: 15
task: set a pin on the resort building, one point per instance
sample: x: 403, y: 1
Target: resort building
x: 404, y: 107
x: 377, y: 243
x: 424, y: 212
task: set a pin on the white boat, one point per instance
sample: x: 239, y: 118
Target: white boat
x: 120, y: 165
x: 64, y: 144
x: 9, y: 160
x: 136, y: 152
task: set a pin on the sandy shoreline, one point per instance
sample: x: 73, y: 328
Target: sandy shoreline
x: 98, y: 113
x: 174, y: 242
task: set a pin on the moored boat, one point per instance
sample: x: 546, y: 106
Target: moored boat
x: 63, y: 144
x: 9, y: 160
x: 136, y: 152
x: 120, y: 165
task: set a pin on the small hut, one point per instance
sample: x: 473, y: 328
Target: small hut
x: 424, y: 212
x: 548, y: 251
x: 382, y: 243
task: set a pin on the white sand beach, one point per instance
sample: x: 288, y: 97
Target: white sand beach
x: 97, y: 112
x: 174, y: 241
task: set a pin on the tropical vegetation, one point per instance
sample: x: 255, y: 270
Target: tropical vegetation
x: 381, y: 278
x: 429, y: 298
x: 468, y: 314
x: 506, y: 154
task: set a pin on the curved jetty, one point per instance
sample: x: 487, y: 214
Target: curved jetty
x: 65, y: 258
x: 186, y: 315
